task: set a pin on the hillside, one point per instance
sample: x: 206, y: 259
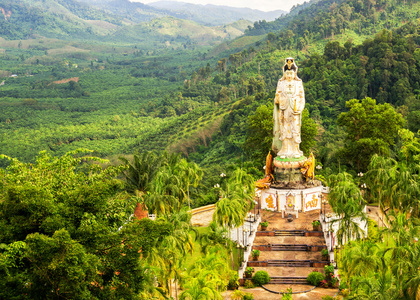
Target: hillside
x: 133, y: 12
x: 173, y: 32
x: 122, y: 85
x: 213, y: 15
x: 25, y: 19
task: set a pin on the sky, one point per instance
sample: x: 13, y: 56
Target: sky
x: 264, y: 5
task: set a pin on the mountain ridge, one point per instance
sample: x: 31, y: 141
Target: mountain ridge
x: 216, y: 14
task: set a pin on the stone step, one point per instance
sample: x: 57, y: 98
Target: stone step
x: 289, y: 263
x: 288, y: 280
x: 289, y: 233
x: 289, y: 247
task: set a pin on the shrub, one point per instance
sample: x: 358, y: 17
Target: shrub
x: 316, y: 223
x: 327, y: 297
x: 248, y: 284
x: 324, y: 252
x: 287, y: 295
x: 345, y: 292
x: 343, y: 285
x: 260, y: 278
x: 248, y: 296
x: 233, y: 281
x: 315, y: 278
x: 249, y: 270
x: 264, y: 224
x: 237, y: 295
x: 256, y: 252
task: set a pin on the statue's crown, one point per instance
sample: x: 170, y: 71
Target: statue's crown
x: 289, y: 64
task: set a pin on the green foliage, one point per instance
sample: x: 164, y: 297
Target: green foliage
x: 370, y: 129
x: 327, y: 297
x: 309, y: 131
x: 233, y: 283
x: 248, y: 296
x: 316, y: 223
x: 315, y: 278
x: 265, y: 223
x: 249, y: 270
x: 260, y: 132
x: 255, y: 253
x: 248, y: 284
x: 260, y: 278
x: 287, y: 295
x: 373, y: 231
x: 76, y: 236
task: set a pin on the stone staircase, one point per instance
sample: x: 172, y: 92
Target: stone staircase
x: 291, y: 250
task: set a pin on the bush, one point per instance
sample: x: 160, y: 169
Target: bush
x: 345, y: 292
x: 316, y: 223
x: 327, y: 297
x: 233, y: 281
x: 260, y: 278
x: 265, y: 224
x: 255, y: 253
x: 237, y: 295
x: 248, y: 284
x: 249, y: 271
x: 324, y: 252
x: 248, y: 296
x: 315, y: 278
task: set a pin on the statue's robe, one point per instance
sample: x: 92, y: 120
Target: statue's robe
x: 288, y: 106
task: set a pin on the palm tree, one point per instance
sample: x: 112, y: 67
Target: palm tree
x: 346, y: 201
x: 215, y: 236
x: 194, y: 290
x: 140, y: 172
x: 380, y: 179
x: 191, y: 174
x: 173, y: 250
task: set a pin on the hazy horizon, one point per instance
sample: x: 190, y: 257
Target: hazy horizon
x: 263, y: 5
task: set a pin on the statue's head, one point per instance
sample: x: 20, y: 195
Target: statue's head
x: 289, y: 69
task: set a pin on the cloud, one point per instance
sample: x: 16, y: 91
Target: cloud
x: 264, y: 5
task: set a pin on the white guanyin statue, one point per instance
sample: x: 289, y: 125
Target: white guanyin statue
x: 289, y: 103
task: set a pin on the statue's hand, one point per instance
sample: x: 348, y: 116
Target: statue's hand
x: 277, y: 99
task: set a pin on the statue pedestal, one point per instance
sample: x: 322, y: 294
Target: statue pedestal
x: 290, y: 190
x: 300, y: 199
x: 287, y: 171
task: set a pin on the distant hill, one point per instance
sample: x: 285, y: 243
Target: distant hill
x: 135, y: 12
x: 173, y: 32
x: 73, y: 20
x: 215, y: 14
x: 53, y: 18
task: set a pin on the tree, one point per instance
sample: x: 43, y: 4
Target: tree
x: 191, y: 174
x: 141, y: 172
x: 66, y: 232
x: 309, y: 131
x: 347, y: 202
x: 370, y: 129
x: 260, y: 132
